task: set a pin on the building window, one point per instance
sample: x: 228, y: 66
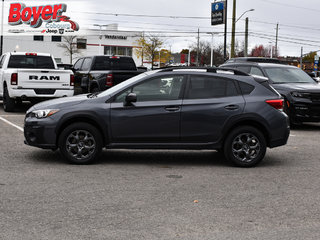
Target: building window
x: 56, y: 38
x: 81, y: 43
x: 37, y: 38
x: 120, y: 51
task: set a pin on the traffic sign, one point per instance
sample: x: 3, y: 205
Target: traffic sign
x: 218, y: 13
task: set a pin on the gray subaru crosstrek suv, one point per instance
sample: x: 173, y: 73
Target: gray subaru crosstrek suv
x: 176, y: 108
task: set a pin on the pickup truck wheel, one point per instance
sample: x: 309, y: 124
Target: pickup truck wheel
x: 245, y: 146
x: 8, y: 103
x: 95, y: 89
x: 80, y: 143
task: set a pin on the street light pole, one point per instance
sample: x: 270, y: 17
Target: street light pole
x: 100, y: 35
x: 211, y: 62
x: 234, y: 21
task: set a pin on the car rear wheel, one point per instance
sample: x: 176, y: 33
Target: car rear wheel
x: 8, y: 103
x: 245, y: 146
x: 80, y: 143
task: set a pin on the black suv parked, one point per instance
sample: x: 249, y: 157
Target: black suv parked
x: 300, y: 92
x: 167, y: 109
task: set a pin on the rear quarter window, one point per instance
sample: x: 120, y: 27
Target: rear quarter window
x: 246, y: 88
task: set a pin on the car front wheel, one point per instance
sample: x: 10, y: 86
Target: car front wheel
x: 80, y: 143
x: 245, y: 146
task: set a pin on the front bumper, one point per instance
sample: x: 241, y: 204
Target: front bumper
x: 40, y: 133
x: 305, y: 112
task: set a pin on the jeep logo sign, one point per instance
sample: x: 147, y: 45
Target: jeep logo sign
x: 52, y: 78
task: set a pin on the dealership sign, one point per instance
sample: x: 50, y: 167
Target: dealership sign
x: 35, y: 16
x: 218, y: 13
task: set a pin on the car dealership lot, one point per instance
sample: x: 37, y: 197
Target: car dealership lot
x: 158, y: 194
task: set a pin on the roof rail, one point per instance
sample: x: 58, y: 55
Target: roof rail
x: 209, y: 69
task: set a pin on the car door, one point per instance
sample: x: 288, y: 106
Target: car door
x: 84, y: 74
x: 77, y: 76
x: 155, y: 117
x: 208, y: 103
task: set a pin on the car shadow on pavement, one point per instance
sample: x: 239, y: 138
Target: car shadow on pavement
x: 154, y: 158
x: 20, y: 108
x: 307, y: 127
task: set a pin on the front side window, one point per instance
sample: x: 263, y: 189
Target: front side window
x: 78, y: 64
x: 203, y: 87
x: 157, y: 89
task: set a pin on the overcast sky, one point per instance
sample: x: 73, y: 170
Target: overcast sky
x: 298, y: 21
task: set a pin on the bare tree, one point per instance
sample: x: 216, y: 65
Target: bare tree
x: 69, y: 44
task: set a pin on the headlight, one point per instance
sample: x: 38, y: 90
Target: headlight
x: 44, y: 113
x: 300, y: 95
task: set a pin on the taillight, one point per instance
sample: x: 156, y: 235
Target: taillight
x: 71, y: 80
x: 31, y: 54
x: 277, y: 103
x: 14, y: 79
x: 109, y: 80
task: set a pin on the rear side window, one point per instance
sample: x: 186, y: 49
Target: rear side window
x: 202, y: 87
x: 86, y: 64
x: 35, y: 62
x: 246, y: 88
x: 116, y: 63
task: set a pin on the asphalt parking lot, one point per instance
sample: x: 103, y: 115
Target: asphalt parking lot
x: 158, y: 194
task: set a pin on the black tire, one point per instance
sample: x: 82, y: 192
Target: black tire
x: 95, y: 89
x: 75, y: 148
x: 245, y: 146
x: 8, y: 103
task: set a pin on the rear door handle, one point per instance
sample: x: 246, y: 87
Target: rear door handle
x: 172, y: 109
x: 232, y: 107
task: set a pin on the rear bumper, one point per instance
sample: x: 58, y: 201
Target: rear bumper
x: 281, y: 141
x: 32, y: 93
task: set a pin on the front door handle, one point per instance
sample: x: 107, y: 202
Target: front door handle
x: 172, y: 109
x: 232, y: 107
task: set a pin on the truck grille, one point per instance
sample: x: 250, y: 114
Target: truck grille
x: 315, y: 97
x: 45, y: 91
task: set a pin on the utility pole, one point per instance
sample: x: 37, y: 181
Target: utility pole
x: 225, y: 31
x: 277, y: 32
x: 301, y: 58
x: 233, y: 36
x: 1, y: 38
x: 198, y: 47
x: 246, y: 38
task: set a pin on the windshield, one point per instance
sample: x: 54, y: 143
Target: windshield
x: 288, y: 75
x: 126, y: 83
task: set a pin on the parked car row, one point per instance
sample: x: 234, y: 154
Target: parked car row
x: 239, y: 109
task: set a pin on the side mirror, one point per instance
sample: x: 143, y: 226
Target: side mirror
x: 131, y: 98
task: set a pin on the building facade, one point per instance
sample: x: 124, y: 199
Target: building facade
x: 95, y: 42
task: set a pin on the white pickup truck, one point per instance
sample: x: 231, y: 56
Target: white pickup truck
x: 32, y: 77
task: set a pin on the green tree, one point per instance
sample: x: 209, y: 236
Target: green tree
x: 148, y: 47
